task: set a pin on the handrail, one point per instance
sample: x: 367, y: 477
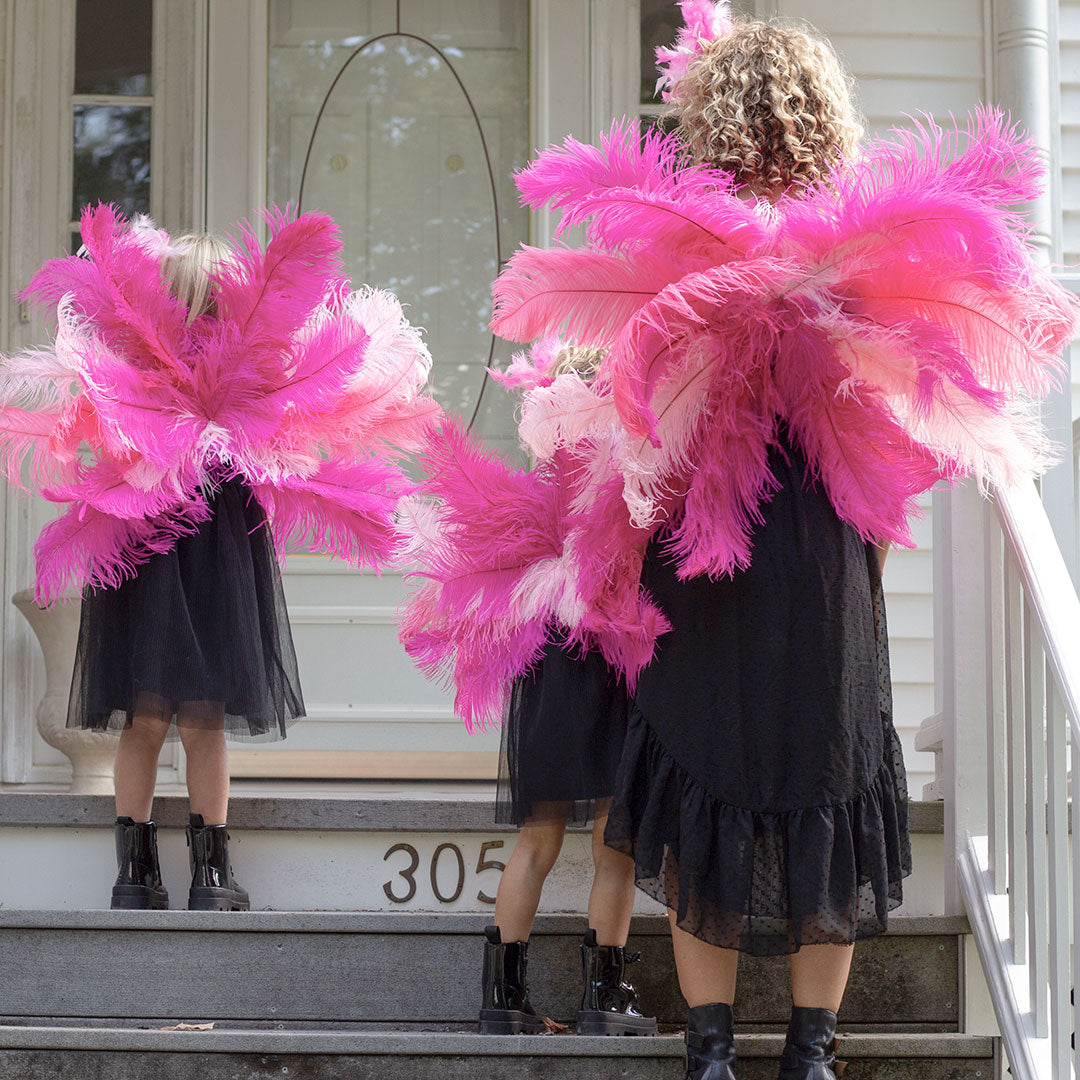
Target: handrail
x: 1010, y: 611
x: 1049, y: 589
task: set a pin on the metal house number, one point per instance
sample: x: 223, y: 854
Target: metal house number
x: 401, y: 892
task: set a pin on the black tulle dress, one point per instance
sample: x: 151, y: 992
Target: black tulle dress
x: 762, y: 791
x: 562, y: 740
x: 199, y: 637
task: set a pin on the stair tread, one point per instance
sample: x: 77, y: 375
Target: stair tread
x: 406, y: 922
x: 412, y: 811
x: 459, y: 1043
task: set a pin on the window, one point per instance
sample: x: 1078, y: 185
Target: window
x: 111, y: 103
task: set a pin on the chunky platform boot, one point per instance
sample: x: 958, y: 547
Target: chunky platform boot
x: 609, y: 1004
x: 809, y: 1053
x: 506, y: 1009
x: 710, y: 1043
x: 138, y: 883
x: 213, y: 888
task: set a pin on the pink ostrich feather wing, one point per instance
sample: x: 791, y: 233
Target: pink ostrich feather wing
x: 345, y: 509
x: 472, y: 623
x: 386, y: 397
x: 85, y: 548
x: 120, y: 290
x: 587, y: 295
x: 268, y: 294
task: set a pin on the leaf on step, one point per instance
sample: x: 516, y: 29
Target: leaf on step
x: 839, y: 1066
x: 553, y: 1027
x: 189, y: 1027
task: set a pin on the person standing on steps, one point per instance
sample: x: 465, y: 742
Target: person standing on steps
x: 202, y: 399
x: 806, y: 332
x: 562, y: 733
x: 561, y: 742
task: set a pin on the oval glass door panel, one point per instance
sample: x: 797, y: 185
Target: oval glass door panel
x: 412, y: 120
x: 410, y: 141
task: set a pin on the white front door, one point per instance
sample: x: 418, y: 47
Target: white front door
x: 404, y: 120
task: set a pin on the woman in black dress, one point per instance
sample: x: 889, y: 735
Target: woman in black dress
x: 761, y: 791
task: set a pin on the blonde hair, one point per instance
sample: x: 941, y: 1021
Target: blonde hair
x: 771, y: 103
x: 186, y: 270
x: 580, y: 359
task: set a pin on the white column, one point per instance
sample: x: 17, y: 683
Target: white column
x: 1026, y: 83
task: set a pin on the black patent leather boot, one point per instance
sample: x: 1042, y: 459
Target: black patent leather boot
x: 138, y: 883
x: 710, y: 1043
x: 213, y: 887
x: 810, y: 1050
x: 609, y: 1004
x: 506, y: 1009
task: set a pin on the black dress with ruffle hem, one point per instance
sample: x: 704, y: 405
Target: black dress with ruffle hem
x: 562, y: 740
x: 762, y: 792
x: 199, y: 637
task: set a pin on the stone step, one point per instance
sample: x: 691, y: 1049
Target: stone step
x: 332, y: 967
x: 43, y: 1053
x: 396, y: 849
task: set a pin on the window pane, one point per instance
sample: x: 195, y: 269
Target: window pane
x: 113, y: 46
x: 660, y: 21
x: 112, y: 157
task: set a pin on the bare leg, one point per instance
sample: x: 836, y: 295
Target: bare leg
x: 706, y: 973
x: 136, y: 766
x: 611, y: 900
x: 538, y: 846
x: 819, y: 975
x: 207, y: 772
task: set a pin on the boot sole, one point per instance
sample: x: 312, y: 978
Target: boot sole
x: 509, y: 1022
x: 207, y: 898
x: 139, y: 898
x: 600, y: 1023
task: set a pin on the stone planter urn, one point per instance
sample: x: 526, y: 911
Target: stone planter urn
x: 91, y: 752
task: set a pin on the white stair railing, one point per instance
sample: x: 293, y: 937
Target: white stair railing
x: 1008, y: 678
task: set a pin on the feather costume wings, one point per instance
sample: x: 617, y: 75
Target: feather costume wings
x: 509, y: 558
x: 891, y: 317
x: 308, y: 391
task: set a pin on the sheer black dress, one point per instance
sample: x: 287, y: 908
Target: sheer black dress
x: 761, y: 791
x: 199, y: 636
x: 562, y: 740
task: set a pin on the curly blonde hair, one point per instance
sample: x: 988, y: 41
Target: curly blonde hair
x: 771, y: 103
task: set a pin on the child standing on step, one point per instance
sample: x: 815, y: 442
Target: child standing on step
x: 563, y: 723
x: 199, y: 393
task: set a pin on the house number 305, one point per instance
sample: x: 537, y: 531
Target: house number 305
x: 402, y: 887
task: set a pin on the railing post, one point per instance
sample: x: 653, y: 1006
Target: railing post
x: 960, y: 679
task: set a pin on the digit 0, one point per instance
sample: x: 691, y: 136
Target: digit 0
x: 435, y: 873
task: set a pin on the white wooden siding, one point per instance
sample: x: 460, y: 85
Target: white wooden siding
x: 920, y: 56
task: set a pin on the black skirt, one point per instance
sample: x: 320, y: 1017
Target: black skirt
x: 562, y: 740
x: 199, y: 637
x: 762, y: 791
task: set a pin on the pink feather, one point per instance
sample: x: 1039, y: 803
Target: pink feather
x: 87, y: 548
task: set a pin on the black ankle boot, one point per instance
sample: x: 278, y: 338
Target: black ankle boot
x: 609, y: 1003
x: 138, y: 884
x: 710, y: 1043
x: 809, y: 1053
x: 213, y: 888
x: 506, y: 1009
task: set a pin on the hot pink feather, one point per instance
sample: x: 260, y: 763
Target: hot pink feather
x: 308, y: 392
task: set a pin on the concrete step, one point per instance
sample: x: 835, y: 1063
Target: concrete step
x: 331, y: 967
x: 121, y: 1053
x: 387, y: 848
